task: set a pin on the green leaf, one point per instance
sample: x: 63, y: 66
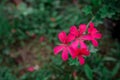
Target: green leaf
x: 57, y: 61
x: 24, y: 9
x: 115, y: 69
x: 73, y: 62
x: 96, y: 2
x: 88, y: 72
x: 87, y: 10
x: 109, y: 58
x: 106, y: 12
x: 93, y: 49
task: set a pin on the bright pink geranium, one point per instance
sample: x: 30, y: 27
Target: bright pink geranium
x: 80, y: 53
x: 74, y: 43
x: 93, y: 34
x: 64, y: 47
x: 80, y: 36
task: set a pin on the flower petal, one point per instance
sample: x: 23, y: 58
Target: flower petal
x: 94, y: 42
x: 31, y: 69
x: 91, y: 24
x: 92, y: 29
x: 62, y: 36
x: 87, y: 37
x: 82, y: 28
x: 85, y: 52
x: 82, y: 45
x: 98, y: 35
x: 74, y: 31
x: 81, y: 60
x: 65, y: 55
x: 72, y: 52
x: 57, y: 49
x: 75, y: 44
x: 70, y: 38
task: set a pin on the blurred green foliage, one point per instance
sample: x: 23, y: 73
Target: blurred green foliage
x: 48, y: 17
x: 30, y: 18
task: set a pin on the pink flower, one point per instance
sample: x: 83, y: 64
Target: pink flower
x: 93, y: 34
x: 74, y: 40
x: 42, y: 39
x: 80, y: 36
x: 31, y: 69
x: 80, y: 53
x: 33, y: 36
x: 64, y: 47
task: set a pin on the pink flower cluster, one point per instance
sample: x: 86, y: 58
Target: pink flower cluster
x: 74, y: 43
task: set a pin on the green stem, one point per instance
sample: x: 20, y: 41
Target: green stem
x: 90, y: 21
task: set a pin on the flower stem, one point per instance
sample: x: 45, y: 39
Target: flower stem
x: 90, y: 21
